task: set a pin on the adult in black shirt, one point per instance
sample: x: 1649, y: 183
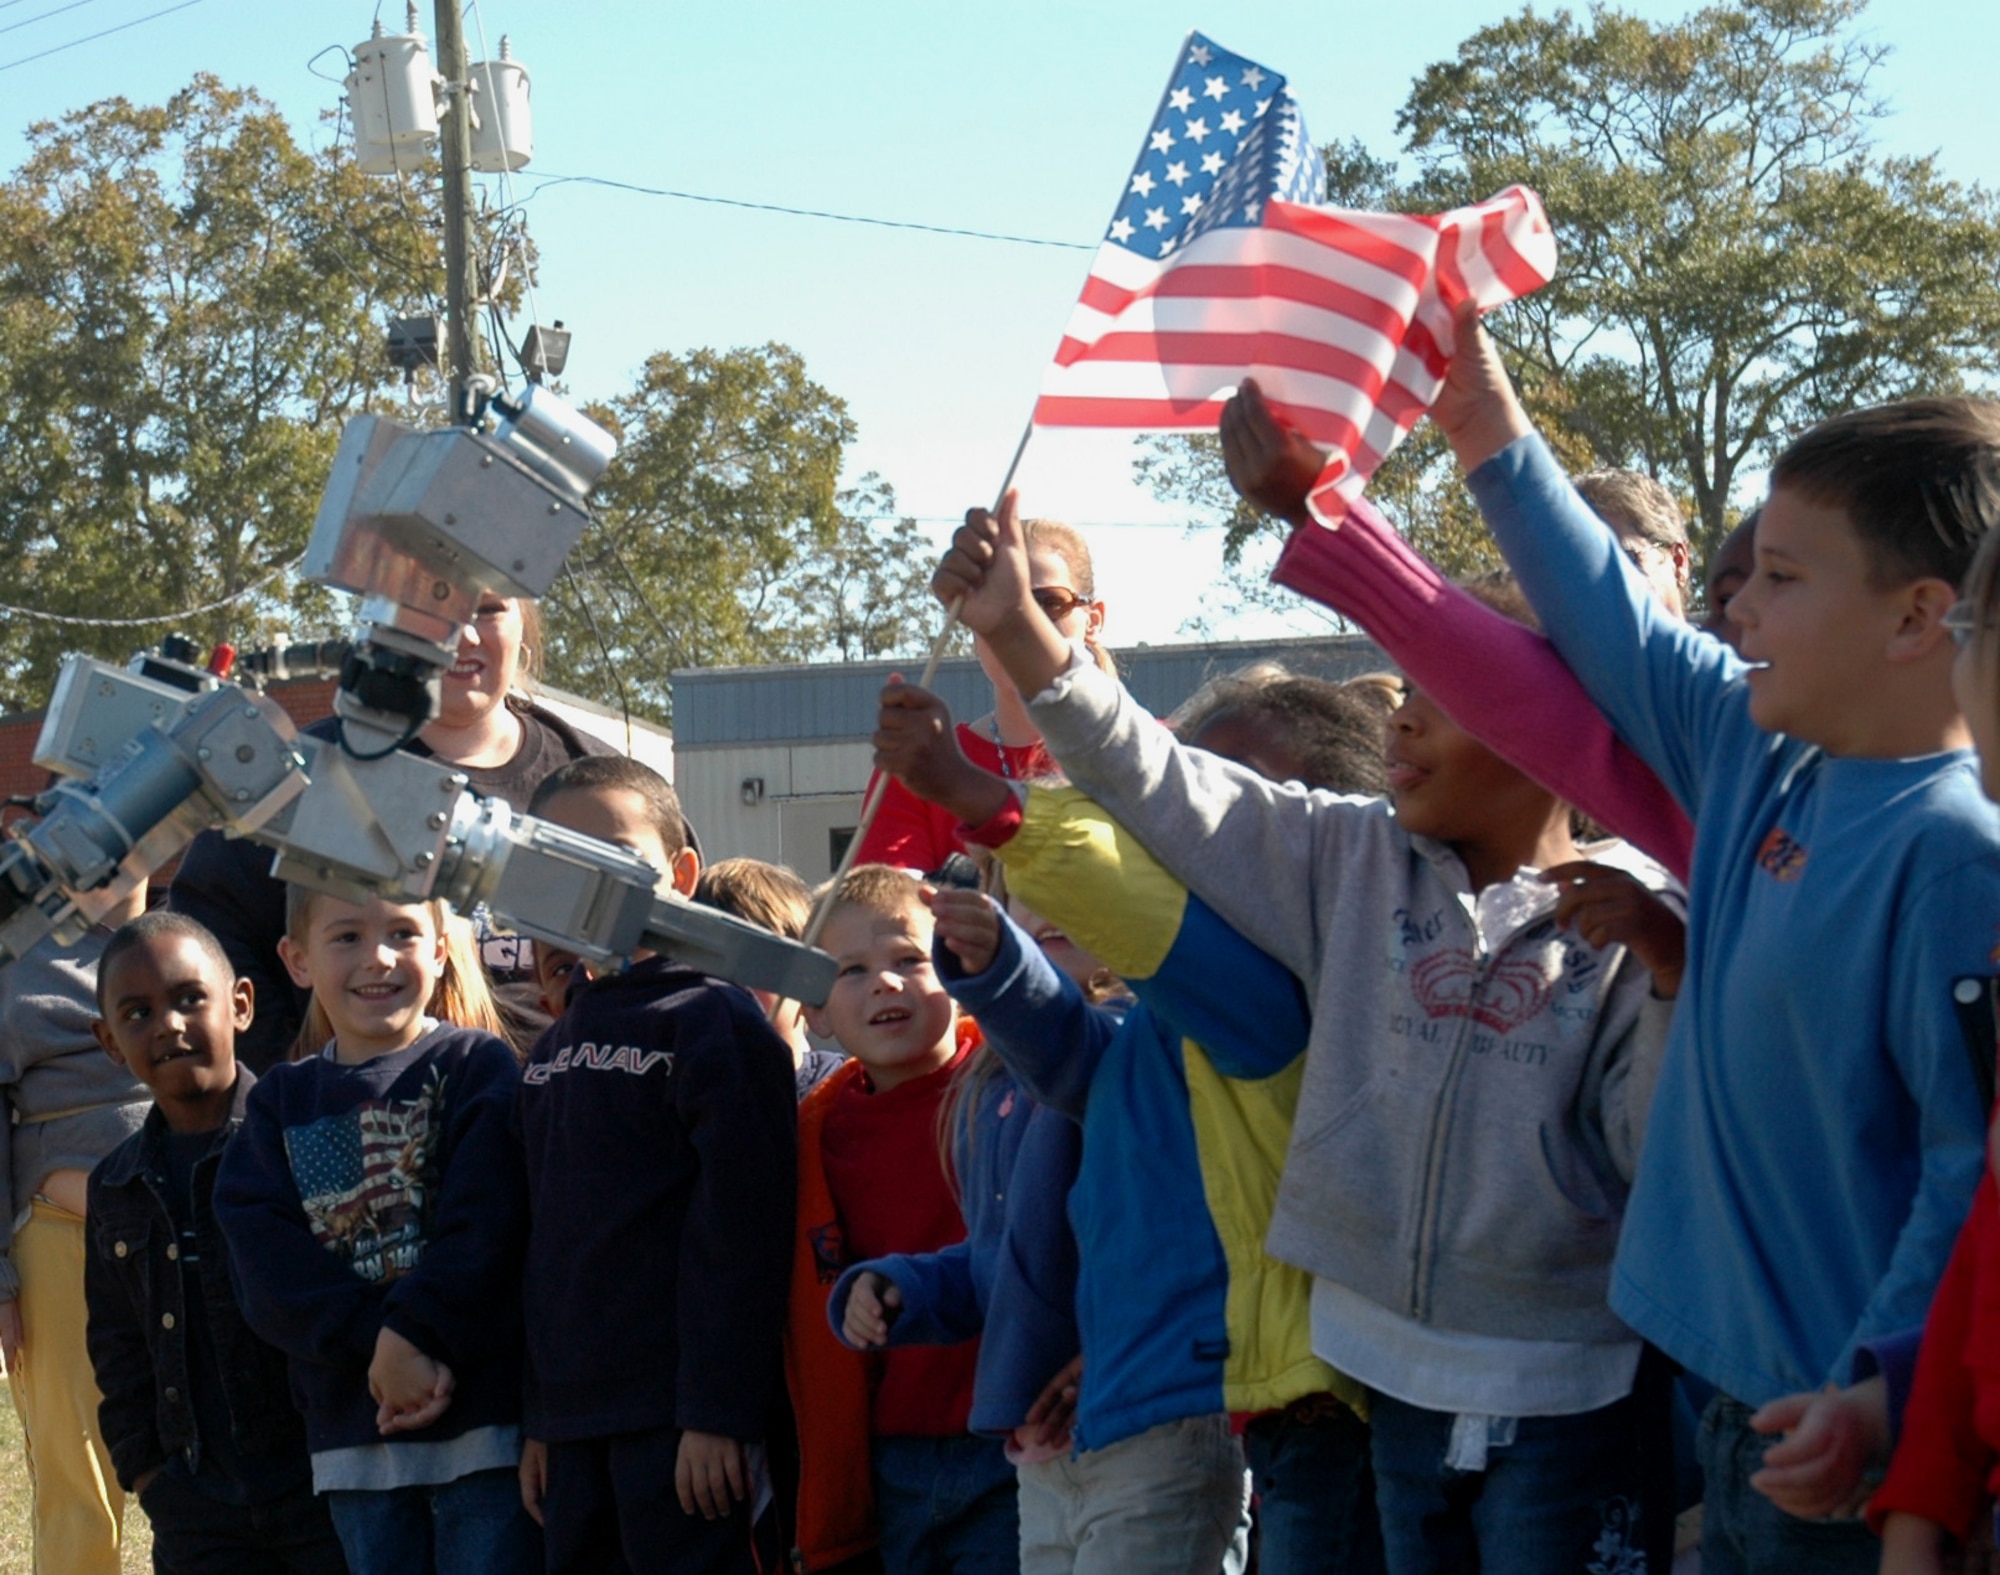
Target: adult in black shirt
x: 504, y: 743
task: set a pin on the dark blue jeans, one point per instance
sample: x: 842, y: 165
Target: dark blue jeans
x: 947, y: 1506
x: 1315, y: 1491
x: 194, y: 1534
x: 612, y: 1509
x: 1743, y: 1532
x: 1571, y: 1495
x: 474, y: 1526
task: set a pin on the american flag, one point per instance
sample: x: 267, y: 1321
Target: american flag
x: 1220, y: 264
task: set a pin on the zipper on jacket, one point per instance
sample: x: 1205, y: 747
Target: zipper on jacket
x: 1424, y: 1258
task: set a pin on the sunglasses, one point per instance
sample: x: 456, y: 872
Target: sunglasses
x: 1963, y: 622
x: 1058, y: 601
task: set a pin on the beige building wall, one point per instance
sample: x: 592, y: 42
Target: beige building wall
x: 805, y: 797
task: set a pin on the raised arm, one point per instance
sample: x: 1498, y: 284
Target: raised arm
x: 1500, y: 681
x: 1033, y: 1014
x: 1251, y: 848
x: 1660, y: 682
x: 1073, y: 864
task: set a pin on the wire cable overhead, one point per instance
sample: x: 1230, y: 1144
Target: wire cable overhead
x: 159, y: 618
x: 549, y: 181
x: 91, y: 38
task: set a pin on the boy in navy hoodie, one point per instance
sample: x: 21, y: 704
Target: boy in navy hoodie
x: 196, y: 1413
x: 657, y: 1114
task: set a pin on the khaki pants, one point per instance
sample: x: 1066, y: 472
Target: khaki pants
x: 79, y: 1507
x: 1172, y: 1500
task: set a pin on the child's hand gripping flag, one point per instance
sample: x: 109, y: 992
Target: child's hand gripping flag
x: 1219, y: 265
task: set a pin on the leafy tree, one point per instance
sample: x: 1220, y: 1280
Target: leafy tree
x: 1737, y: 260
x: 865, y: 592
x: 190, y: 305
x: 721, y: 535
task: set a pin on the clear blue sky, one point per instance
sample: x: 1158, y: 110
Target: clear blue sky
x: 1019, y: 119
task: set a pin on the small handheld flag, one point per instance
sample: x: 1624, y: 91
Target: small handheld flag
x: 1219, y: 265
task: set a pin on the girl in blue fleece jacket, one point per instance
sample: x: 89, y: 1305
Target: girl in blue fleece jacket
x: 1012, y: 1281
x: 375, y: 1211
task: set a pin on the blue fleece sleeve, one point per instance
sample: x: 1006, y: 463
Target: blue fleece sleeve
x: 1035, y: 1018
x: 294, y: 1293
x: 1237, y: 1002
x: 1893, y: 1359
x: 1931, y: 946
x: 1077, y: 867
x: 450, y: 1306
x: 1666, y: 687
x: 940, y: 1298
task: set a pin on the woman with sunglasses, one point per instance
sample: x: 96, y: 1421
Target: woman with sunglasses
x: 911, y: 834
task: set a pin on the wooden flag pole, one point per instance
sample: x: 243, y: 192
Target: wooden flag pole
x: 879, y: 783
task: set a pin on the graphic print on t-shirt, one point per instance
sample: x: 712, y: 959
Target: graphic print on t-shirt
x: 1449, y: 983
x: 366, y: 1179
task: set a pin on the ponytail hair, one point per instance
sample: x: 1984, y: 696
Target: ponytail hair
x: 462, y: 996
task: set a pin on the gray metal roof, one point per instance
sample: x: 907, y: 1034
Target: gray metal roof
x: 794, y: 704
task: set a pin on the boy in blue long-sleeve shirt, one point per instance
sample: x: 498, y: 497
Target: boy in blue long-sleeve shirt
x: 1817, y: 1132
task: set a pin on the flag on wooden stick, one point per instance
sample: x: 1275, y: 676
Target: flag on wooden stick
x: 1221, y: 263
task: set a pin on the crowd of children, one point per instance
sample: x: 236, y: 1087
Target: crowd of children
x: 1351, y: 1127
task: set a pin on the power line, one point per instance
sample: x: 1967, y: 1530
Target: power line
x: 803, y: 213
x: 74, y: 5
x: 91, y: 38
x: 610, y: 665
x: 173, y: 617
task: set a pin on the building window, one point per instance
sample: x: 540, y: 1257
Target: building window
x: 837, y: 839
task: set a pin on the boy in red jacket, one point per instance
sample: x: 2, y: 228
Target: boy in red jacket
x: 872, y: 1182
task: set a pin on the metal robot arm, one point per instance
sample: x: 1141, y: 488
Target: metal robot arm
x: 420, y: 525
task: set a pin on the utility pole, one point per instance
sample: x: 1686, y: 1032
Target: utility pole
x: 461, y: 283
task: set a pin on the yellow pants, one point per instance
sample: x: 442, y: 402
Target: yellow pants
x: 79, y: 1507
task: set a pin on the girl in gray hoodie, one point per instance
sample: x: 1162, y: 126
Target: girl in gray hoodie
x: 1486, y: 1032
